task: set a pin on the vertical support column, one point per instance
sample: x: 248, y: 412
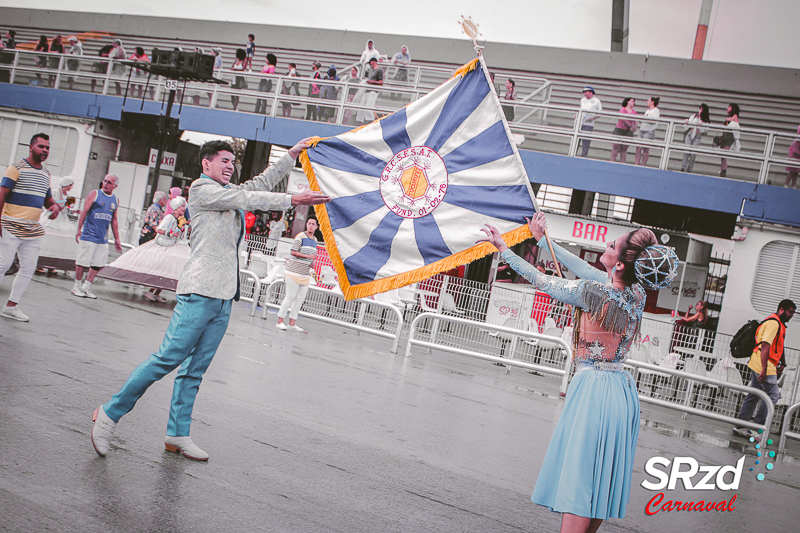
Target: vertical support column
x: 702, y: 29
x: 619, y: 25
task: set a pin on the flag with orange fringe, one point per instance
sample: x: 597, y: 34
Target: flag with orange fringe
x: 411, y: 191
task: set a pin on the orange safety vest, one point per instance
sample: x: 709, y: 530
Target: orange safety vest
x: 776, y: 347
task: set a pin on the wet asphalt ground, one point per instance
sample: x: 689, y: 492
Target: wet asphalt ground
x: 322, y: 431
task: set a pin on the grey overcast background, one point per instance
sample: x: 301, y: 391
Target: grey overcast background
x: 757, y: 32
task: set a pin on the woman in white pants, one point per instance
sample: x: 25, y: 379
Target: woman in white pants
x: 296, y: 275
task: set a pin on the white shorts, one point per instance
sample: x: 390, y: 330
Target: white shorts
x: 92, y: 254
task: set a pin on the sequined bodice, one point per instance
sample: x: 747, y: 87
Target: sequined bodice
x: 611, y: 318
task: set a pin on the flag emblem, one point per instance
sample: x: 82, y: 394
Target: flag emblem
x: 411, y: 191
x: 414, y: 182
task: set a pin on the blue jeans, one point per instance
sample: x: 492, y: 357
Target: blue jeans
x: 586, y: 142
x: 192, y: 338
x: 770, y: 386
x: 688, y: 159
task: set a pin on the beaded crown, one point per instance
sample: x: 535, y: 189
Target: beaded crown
x: 656, y: 266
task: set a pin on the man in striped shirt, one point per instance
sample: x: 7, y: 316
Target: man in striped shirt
x: 24, y: 190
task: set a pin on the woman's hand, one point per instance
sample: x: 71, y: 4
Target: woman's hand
x: 493, y: 236
x: 537, y: 224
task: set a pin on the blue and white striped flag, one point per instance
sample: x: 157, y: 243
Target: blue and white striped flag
x: 411, y: 191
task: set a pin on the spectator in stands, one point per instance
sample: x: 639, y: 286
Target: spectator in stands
x: 367, y: 55
x: 7, y: 58
x: 117, y: 69
x: 647, y: 130
x: 250, y: 52
x: 265, y: 85
x: 9, y: 42
x: 697, y: 319
x: 730, y: 142
x: 794, y: 153
x: 101, y: 67
x: 329, y: 92
x: 217, y: 58
x: 41, y: 61
x: 402, y: 59
x: 153, y: 217
x: 589, y: 103
x: 297, y: 275
x: 624, y: 128
x: 138, y: 74
x: 696, y: 127
x: 352, y: 90
x: 375, y: 77
x: 313, y: 90
x: 56, y: 47
x: 239, y: 82
x: 511, y: 95
x: 290, y: 89
x: 73, y: 65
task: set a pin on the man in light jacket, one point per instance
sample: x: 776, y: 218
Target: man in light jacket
x: 206, y: 289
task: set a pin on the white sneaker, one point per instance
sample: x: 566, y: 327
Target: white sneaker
x: 89, y: 294
x: 78, y: 292
x: 102, y: 431
x: 281, y: 325
x: 14, y: 313
x: 296, y: 328
x: 185, y: 446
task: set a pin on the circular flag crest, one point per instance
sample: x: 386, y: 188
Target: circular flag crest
x: 414, y: 182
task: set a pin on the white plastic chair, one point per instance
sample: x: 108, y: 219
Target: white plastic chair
x: 694, y: 365
x: 669, y: 362
x: 549, y: 323
x: 449, y: 305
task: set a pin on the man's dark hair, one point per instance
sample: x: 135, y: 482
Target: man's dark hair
x: 139, y: 51
x: 251, y: 36
x: 12, y: 33
x: 786, y: 304
x: 210, y: 150
x: 43, y: 136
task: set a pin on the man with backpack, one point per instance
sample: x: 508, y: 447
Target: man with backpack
x: 764, y: 365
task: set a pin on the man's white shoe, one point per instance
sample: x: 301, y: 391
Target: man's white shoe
x: 102, y: 431
x: 281, y: 325
x: 14, y: 313
x: 185, y: 446
x: 296, y: 328
x: 78, y: 292
x: 89, y: 294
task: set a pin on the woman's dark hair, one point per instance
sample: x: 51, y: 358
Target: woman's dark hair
x: 42, y: 40
x: 240, y: 54
x: 272, y: 59
x: 626, y: 100
x: 513, y: 83
x: 293, y: 65
x: 734, y: 109
x: 210, y: 150
x: 705, y: 116
x: 139, y: 51
x: 655, y: 100
x: 637, y: 241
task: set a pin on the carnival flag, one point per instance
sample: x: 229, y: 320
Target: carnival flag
x: 411, y: 191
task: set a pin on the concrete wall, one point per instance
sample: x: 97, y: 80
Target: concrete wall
x: 758, y: 80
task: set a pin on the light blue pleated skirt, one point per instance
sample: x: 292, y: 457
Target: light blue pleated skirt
x: 588, y: 465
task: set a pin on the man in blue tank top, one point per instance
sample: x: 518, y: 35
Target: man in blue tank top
x: 99, y: 211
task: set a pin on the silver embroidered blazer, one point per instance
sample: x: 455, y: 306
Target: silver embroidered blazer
x: 218, y: 228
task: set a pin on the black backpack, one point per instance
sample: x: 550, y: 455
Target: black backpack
x: 744, y: 342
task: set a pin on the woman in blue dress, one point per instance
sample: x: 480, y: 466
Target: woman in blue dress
x: 586, y: 473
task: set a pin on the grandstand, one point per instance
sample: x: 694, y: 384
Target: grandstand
x: 544, y: 123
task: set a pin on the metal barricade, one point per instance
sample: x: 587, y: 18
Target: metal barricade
x: 249, y: 288
x: 695, y: 384
x: 524, y: 349
x: 369, y: 316
x: 786, y: 427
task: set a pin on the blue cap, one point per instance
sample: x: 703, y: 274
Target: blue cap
x: 588, y: 88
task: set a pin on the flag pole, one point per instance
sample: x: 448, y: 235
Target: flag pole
x: 471, y: 29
